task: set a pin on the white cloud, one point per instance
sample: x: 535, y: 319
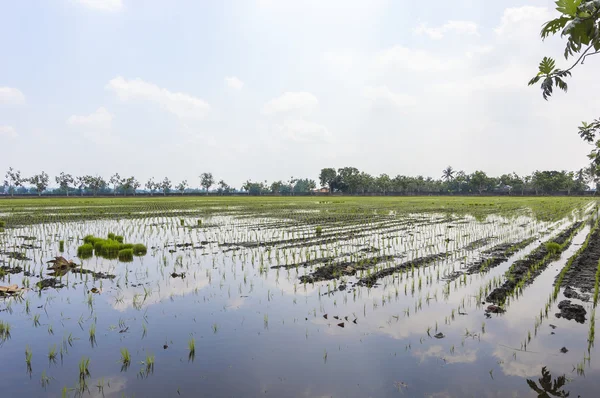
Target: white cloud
x: 10, y: 95
x: 234, y: 82
x: 8, y: 131
x: 522, y: 21
x: 416, y: 60
x: 459, y: 27
x: 180, y: 104
x: 383, y: 93
x: 103, y: 5
x: 289, y: 101
x: 101, y: 119
x: 304, y: 131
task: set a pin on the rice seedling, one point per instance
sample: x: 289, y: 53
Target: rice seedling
x: 125, y: 359
x: 84, y: 365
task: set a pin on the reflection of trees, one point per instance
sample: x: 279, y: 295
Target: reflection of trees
x: 549, y: 388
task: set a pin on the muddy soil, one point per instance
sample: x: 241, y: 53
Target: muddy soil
x: 571, y: 311
x: 348, y: 268
x: 582, y: 273
x: 492, y: 258
x: 371, y: 280
x: 520, y: 269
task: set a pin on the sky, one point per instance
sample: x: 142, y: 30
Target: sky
x: 270, y: 89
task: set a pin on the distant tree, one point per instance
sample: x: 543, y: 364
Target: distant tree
x: 383, y: 183
x: 460, y: 179
x: 80, y: 183
x: 13, y: 180
x: 95, y: 183
x: 448, y: 174
x: 151, y: 186
x: 304, y: 185
x: 480, y: 181
x: 206, y: 181
x: 64, y: 181
x: 182, y: 186
x: 223, y: 187
x: 349, y: 179
x: 135, y: 185
x: 254, y: 188
x: 126, y: 185
x: 276, y: 187
x: 165, y: 185
x: 116, y: 182
x: 40, y: 181
x: 327, y: 177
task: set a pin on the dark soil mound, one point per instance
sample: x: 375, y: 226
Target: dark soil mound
x: 571, y: 311
x: 582, y: 273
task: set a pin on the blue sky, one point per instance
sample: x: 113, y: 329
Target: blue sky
x: 269, y: 89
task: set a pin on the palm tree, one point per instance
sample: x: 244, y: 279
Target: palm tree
x: 448, y: 174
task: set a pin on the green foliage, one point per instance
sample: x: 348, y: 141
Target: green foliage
x: 553, y: 248
x: 85, y: 251
x: 126, y: 255
x: 319, y: 230
x: 113, y: 247
x: 139, y: 249
x: 2, y: 223
x: 579, y: 24
x: 61, y: 246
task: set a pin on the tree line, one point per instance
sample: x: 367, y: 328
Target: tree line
x: 345, y: 180
x: 350, y: 180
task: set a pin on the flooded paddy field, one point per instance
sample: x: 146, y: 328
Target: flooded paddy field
x: 306, y: 297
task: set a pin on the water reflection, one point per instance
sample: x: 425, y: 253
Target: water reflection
x: 549, y: 387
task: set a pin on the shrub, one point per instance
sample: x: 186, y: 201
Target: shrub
x: 126, y: 255
x: 119, y: 238
x: 126, y: 246
x: 139, y: 249
x: 319, y: 230
x: 199, y: 222
x: 182, y: 222
x: 85, y: 251
x: 111, y: 236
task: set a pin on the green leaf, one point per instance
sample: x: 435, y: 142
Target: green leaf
x: 547, y: 66
x: 551, y: 27
x: 567, y: 7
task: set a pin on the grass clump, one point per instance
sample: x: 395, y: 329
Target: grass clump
x: 125, y: 358
x: 85, y: 251
x: 61, y: 246
x: 113, y: 247
x: 2, y: 223
x: 139, y: 249
x: 553, y: 248
x: 319, y: 230
x: 4, y: 331
x: 126, y: 255
x: 84, y: 368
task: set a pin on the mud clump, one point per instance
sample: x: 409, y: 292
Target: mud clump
x: 50, y: 282
x: 571, y: 311
x: 572, y: 294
